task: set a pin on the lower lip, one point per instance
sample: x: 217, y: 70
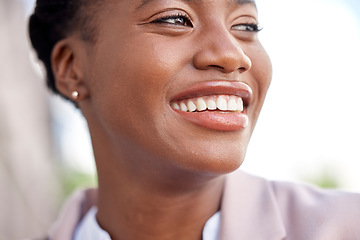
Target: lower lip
x: 216, y: 120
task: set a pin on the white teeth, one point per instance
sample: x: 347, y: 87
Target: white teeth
x: 211, y: 103
x: 175, y: 106
x: 221, y: 103
x: 191, y: 106
x: 201, y: 104
x: 183, y: 107
x: 240, y: 105
x: 232, y: 104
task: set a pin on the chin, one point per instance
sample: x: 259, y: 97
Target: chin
x: 216, y: 160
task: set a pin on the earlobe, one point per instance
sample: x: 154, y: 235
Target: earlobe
x: 66, y: 60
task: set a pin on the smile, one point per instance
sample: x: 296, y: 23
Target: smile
x: 216, y: 105
x: 210, y: 103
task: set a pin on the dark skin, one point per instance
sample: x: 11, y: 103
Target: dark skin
x: 161, y: 176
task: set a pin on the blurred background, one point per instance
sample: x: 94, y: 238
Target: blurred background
x: 308, y: 131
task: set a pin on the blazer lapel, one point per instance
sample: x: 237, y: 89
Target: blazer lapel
x: 249, y: 210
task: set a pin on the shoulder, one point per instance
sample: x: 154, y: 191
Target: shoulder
x: 76, y: 206
x: 291, y: 194
x: 305, y: 210
x: 327, y: 212
x: 310, y: 196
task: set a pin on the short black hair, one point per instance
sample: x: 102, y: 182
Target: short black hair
x: 54, y: 20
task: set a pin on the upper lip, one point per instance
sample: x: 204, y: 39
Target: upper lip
x: 222, y: 87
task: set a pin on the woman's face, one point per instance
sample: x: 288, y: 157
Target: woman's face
x: 156, y: 61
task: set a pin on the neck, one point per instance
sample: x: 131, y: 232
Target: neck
x: 140, y: 201
x: 128, y: 211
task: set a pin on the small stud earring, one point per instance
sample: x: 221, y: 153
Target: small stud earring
x: 75, y: 95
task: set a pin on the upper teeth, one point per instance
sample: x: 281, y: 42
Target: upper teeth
x: 220, y: 102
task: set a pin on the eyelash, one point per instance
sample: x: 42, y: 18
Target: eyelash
x: 249, y: 27
x: 185, y: 21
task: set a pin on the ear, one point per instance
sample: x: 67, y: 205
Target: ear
x: 67, y: 61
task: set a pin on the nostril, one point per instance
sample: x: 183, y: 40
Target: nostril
x: 242, y: 69
x: 216, y: 66
x: 224, y: 69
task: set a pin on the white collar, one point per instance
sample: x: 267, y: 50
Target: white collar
x: 89, y: 229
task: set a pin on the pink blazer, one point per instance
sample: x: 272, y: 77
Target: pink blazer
x: 256, y: 209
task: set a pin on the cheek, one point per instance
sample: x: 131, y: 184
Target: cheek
x: 147, y: 73
x: 261, y: 71
x: 131, y: 85
x: 260, y: 75
x: 147, y: 68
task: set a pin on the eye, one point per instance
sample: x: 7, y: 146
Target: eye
x: 248, y: 27
x: 178, y: 19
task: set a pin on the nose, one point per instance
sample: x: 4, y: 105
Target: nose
x: 219, y: 49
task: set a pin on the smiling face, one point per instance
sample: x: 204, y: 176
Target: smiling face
x: 181, y: 82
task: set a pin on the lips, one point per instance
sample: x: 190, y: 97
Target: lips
x: 216, y: 105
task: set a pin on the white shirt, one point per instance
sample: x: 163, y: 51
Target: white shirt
x: 89, y: 229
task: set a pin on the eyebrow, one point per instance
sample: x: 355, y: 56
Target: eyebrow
x: 239, y: 2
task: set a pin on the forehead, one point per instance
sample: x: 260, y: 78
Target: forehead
x: 232, y: 2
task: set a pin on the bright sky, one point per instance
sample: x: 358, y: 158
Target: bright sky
x: 310, y: 121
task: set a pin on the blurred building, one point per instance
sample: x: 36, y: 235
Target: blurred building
x: 26, y: 159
